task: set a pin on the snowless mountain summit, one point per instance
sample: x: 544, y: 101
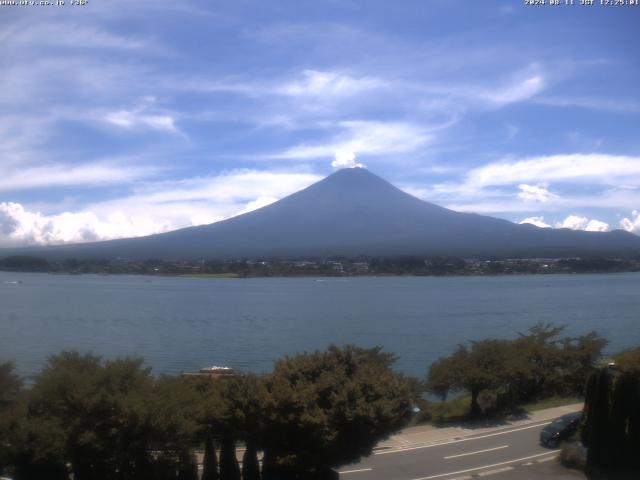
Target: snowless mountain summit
x: 354, y: 212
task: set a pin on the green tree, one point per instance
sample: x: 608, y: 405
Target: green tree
x: 109, y: 420
x: 229, y: 468
x: 487, y: 364
x: 596, y: 431
x: 243, y: 417
x: 541, y: 355
x: 250, y: 465
x: 611, y: 428
x: 628, y: 360
x: 188, y: 468
x: 329, y: 408
x: 209, y: 462
x: 537, y: 364
x: 580, y: 356
x: 10, y: 389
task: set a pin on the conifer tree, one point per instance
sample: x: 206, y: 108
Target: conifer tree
x: 229, y: 468
x: 210, y: 462
x: 250, y: 465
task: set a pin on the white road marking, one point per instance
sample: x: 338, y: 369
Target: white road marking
x: 355, y: 471
x: 497, y: 470
x: 398, y: 450
x: 486, y: 466
x: 545, y: 460
x: 479, y: 451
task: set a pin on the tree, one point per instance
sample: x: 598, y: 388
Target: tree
x: 10, y: 389
x: 579, y: 358
x: 540, y: 351
x: 209, y: 462
x: 596, y: 432
x: 10, y: 385
x: 628, y: 360
x: 250, y: 465
x: 329, y: 408
x: 243, y: 417
x: 187, y: 469
x: 488, y: 364
x: 537, y: 364
x: 611, y: 429
x: 109, y: 420
x: 229, y: 469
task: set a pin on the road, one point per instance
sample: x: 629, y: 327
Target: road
x: 495, y: 452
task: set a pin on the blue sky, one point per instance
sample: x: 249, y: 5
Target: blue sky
x: 124, y: 118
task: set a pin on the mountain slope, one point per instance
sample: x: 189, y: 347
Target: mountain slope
x: 354, y: 212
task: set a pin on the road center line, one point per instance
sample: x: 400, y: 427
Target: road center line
x: 479, y: 451
x: 399, y: 450
x: 486, y: 466
x: 355, y: 471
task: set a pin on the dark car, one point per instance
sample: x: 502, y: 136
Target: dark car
x: 560, y: 429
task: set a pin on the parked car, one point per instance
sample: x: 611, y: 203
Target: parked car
x: 560, y: 429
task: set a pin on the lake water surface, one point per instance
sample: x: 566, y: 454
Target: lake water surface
x: 182, y: 324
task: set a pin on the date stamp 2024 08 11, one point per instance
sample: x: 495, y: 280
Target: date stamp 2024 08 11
x: 43, y: 3
x: 582, y: 3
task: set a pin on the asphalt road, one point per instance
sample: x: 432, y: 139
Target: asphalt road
x: 496, y: 452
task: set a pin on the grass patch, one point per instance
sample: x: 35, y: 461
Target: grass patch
x: 443, y: 412
x: 457, y: 409
x: 550, y: 402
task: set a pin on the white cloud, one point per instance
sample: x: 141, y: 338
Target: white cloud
x: 130, y: 119
x: 612, y: 105
x: 595, y: 167
x: 155, y: 207
x: 142, y: 116
x: 537, y: 221
x: 535, y: 193
x: 631, y: 224
x: 575, y: 222
x: 235, y: 186
x: 463, y: 197
x: 345, y: 159
x: 57, y: 35
x: 13, y: 177
x: 328, y: 84
x: 522, y: 86
x: 517, y: 91
x: 19, y: 226
x: 363, y: 138
x: 257, y: 203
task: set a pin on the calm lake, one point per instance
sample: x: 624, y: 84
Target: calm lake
x: 182, y: 324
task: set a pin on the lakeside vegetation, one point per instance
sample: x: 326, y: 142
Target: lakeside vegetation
x: 339, y: 266
x: 112, y: 419
x: 607, y: 445
x: 538, y: 364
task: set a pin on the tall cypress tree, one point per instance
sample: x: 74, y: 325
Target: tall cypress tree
x: 633, y: 431
x: 618, y: 421
x: 250, y: 465
x: 598, y: 416
x: 188, y: 468
x: 210, y: 462
x: 229, y: 469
